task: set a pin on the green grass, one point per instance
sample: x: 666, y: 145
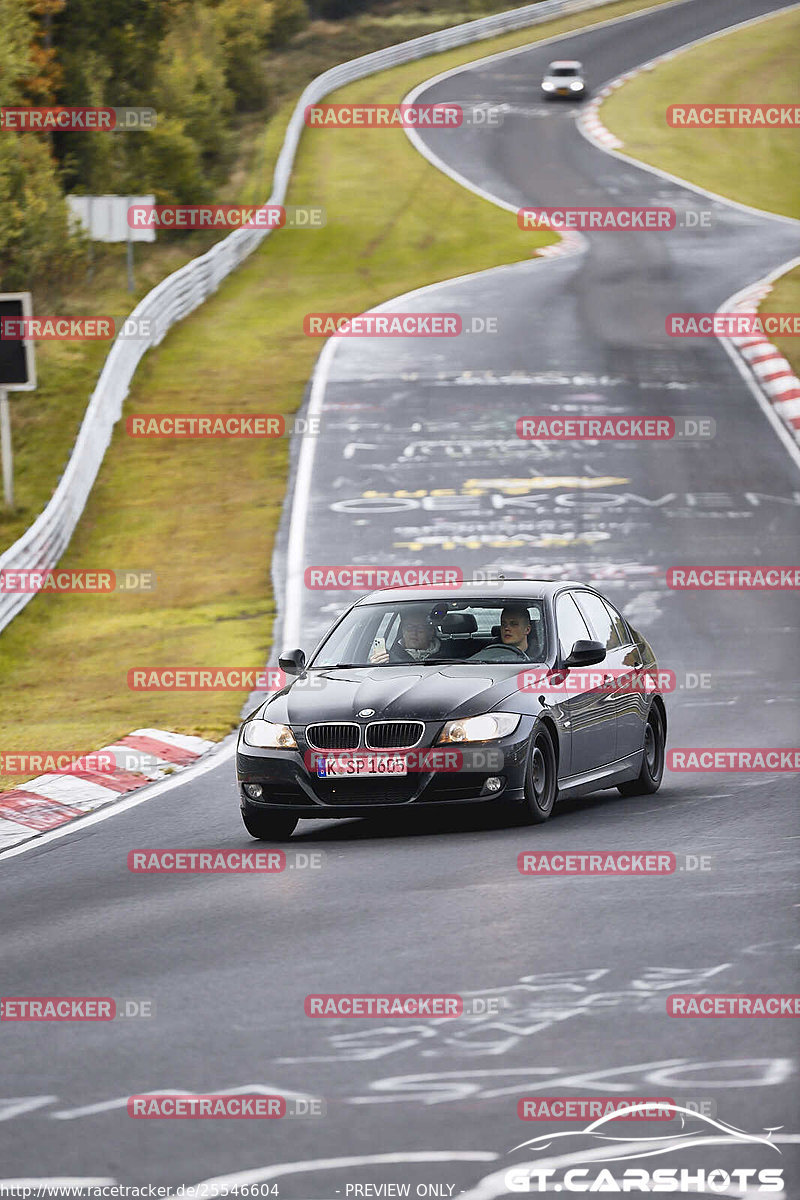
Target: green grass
x: 203, y: 515
x: 753, y: 166
x: 756, y: 167
x: 785, y: 298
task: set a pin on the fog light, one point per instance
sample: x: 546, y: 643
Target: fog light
x: 253, y: 791
x: 493, y: 784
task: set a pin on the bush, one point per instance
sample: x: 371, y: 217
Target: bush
x: 288, y: 18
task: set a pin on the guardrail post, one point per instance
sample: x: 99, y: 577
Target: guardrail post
x: 5, y: 449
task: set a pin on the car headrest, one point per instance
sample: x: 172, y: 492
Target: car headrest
x: 496, y: 631
x: 456, y: 622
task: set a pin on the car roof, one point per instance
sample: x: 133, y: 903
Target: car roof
x: 565, y: 62
x: 512, y: 589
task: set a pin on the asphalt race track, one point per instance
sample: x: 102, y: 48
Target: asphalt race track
x: 419, y: 463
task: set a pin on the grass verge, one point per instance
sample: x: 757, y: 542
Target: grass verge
x: 203, y: 516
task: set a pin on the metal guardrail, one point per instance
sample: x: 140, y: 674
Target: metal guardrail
x: 43, y: 543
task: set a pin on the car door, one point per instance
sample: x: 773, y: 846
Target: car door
x: 590, y: 710
x: 630, y: 700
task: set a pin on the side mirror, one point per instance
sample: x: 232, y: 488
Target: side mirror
x: 585, y: 654
x: 292, y: 662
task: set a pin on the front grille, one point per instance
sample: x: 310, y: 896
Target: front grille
x: 341, y: 736
x: 367, y: 791
x: 394, y: 735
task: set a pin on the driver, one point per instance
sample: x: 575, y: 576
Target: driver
x: 416, y: 643
x: 515, y: 625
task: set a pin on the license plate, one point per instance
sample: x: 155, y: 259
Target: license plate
x: 341, y: 766
x: 563, y: 91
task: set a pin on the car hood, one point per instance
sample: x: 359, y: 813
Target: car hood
x: 425, y: 693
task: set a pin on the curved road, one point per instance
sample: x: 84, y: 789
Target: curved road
x: 419, y: 463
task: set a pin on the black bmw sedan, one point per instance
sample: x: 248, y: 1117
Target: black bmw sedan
x: 522, y: 692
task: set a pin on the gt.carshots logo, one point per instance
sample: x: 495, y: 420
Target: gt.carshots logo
x: 366, y: 579
x: 384, y: 116
x: 638, y: 1179
x: 739, y: 758
x: 768, y: 1005
x: 721, y: 579
x: 597, y: 219
x: 412, y: 324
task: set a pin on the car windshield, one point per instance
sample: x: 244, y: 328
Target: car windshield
x: 494, y: 630
x: 563, y: 70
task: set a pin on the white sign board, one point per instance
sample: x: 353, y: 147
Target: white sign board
x: 105, y: 218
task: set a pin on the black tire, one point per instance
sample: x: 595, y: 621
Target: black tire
x: 652, y: 771
x: 268, y: 826
x: 541, y: 784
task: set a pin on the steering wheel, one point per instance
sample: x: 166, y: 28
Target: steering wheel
x: 494, y: 650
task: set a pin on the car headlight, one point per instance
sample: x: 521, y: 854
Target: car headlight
x: 480, y: 729
x: 548, y: 87
x: 577, y: 86
x: 268, y: 735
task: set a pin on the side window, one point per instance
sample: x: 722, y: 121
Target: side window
x: 599, y: 618
x: 619, y: 625
x: 571, y: 625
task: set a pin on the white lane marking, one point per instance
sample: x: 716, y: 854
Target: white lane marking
x: 56, y: 1182
x: 613, y: 84
x: 222, y: 753
x: 244, y: 1178
x: 14, y: 1106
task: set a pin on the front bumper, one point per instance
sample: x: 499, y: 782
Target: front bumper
x: 288, y: 785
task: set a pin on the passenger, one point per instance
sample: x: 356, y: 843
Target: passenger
x: 417, y: 642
